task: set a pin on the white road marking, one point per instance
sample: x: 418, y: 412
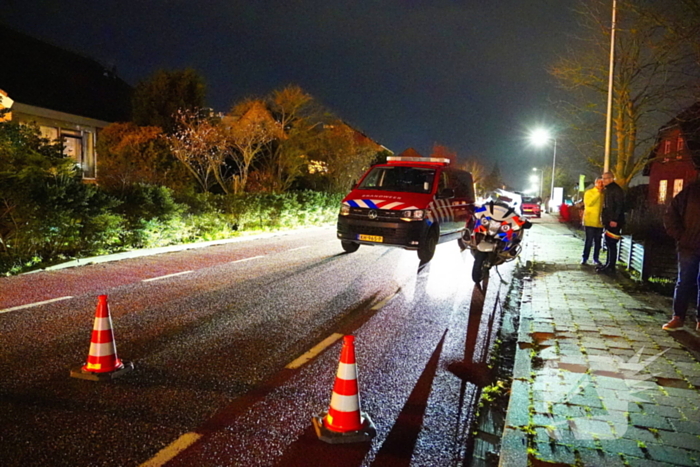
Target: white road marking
x: 172, y: 450
x: 166, y: 277
x: 21, y: 307
x: 300, y: 248
x: 247, y: 259
x: 317, y: 349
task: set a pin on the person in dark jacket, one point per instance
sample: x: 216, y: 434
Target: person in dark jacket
x: 682, y: 222
x: 613, y: 217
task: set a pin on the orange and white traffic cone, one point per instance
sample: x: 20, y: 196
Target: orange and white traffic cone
x: 344, y: 422
x: 102, y: 362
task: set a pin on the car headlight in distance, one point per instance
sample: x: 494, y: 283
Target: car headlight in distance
x: 344, y: 210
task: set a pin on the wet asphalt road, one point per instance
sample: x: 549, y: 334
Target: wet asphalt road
x: 210, y: 343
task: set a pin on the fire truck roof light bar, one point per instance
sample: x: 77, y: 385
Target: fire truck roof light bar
x: 430, y: 160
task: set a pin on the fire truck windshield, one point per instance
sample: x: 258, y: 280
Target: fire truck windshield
x: 399, y: 178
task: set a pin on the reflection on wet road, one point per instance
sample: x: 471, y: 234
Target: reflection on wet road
x: 213, y: 384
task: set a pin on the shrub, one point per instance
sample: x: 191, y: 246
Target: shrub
x: 267, y: 211
x: 47, y: 211
x: 210, y: 226
x: 146, y: 202
x: 70, y: 217
x: 152, y: 217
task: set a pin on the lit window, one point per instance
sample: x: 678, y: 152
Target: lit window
x: 679, y: 146
x: 663, y: 187
x: 72, y: 145
x: 667, y: 147
x: 79, y: 146
x: 677, y: 186
x: 50, y: 133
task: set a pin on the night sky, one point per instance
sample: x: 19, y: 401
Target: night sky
x: 470, y: 75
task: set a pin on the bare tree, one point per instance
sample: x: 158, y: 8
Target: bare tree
x: 200, y: 144
x: 249, y: 127
x: 652, y: 79
x: 681, y: 18
x: 477, y: 170
x: 298, y: 115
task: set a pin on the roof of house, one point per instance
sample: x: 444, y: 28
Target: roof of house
x: 688, y: 122
x: 410, y: 152
x: 37, y: 73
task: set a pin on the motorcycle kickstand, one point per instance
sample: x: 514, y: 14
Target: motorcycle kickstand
x: 499, y: 276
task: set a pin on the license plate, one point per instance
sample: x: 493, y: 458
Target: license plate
x: 370, y: 238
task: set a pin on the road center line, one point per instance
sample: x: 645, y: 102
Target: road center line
x: 166, y: 277
x: 172, y: 450
x: 21, y: 307
x: 385, y: 301
x: 247, y: 259
x: 317, y: 349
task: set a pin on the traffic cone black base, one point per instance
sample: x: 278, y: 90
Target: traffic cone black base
x: 80, y: 373
x: 366, y: 433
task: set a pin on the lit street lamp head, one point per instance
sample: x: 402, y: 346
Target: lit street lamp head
x: 540, y: 137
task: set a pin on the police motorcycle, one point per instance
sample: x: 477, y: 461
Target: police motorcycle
x: 495, y: 232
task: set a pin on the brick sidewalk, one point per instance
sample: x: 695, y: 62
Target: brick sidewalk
x: 596, y: 381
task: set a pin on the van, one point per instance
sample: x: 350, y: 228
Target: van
x: 409, y: 202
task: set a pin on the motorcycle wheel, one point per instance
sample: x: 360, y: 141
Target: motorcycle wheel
x: 462, y: 245
x: 480, y: 267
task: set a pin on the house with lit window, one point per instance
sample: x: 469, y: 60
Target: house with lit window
x: 675, y: 158
x: 70, y: 97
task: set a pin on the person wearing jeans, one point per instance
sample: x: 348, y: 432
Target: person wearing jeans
x: 593, y: 226
x: 682, y: 222
x: 613, y: 217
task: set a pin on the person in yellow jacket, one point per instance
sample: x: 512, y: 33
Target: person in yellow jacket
x: 592, y: 223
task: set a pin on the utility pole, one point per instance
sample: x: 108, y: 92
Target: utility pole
x: 608, y: 123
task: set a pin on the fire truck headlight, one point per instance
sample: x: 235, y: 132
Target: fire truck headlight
x: 412, y: 215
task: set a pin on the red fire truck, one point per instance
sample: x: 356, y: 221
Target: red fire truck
x: 409, y: 202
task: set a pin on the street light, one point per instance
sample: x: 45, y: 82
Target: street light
x: 540, y: 180
x: 540, y: 137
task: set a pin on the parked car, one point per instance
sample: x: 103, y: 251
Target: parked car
x: 409, y: 202
x: 532, y: 206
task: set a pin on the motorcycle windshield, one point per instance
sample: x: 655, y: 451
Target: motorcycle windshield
x: 499, y: 211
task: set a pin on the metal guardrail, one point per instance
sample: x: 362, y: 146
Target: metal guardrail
x: 651, y: 260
